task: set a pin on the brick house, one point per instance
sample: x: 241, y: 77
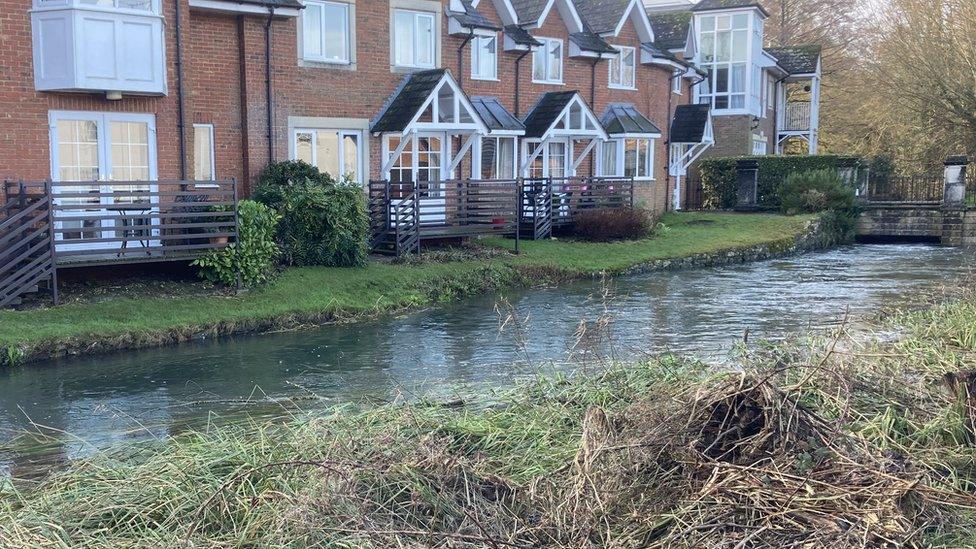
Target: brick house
x: 163, y: 93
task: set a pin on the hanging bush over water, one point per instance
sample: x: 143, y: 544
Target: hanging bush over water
x: 821, y: 191
x: 323, y: 222
x: 252, y: 257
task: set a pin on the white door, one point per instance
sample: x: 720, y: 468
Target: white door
x: 114, y: 151
x: 420, y: 167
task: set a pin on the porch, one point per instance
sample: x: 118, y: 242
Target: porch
x: 47, y: 226
x: 403, y: 215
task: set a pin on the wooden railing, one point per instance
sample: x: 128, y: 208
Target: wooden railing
x: 26, y: 254
x: 570, y: 196
x: 129, y: 221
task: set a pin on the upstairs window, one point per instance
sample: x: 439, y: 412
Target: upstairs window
x: 325, y: 31
x: 547, y: 62
x: 413, y: 39
x: 676, y: 83
x: 623, y: 68
x: 484, y: 58
x: 724, y: 53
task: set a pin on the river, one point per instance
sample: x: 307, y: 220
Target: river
x: 76, y: 406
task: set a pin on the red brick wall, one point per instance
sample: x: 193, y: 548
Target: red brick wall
x: 218, y: 92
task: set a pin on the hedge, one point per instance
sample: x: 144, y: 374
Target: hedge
x: 718, y: 176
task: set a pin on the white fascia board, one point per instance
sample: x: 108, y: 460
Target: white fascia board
x: 242, y: 8
x: 636, y: 11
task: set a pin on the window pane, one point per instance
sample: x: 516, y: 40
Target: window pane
x: 708, y: 23
x: 708, y: 47
x: 740, y: 21
x: 403, y: 39
x: 78, y: 155
x: 303, y: 147
x: 445, y: 104
x: 615, y: 70
x: 203, y: 153
x: 350, y: 157
x: 486, y: 57
x: 739, y: 45
x: 312, y: 30
x: 630, y: 158
x: 610, y: 158
x: 335, y: 32
x: 738, y: 79
x: 557, y: 160
x: 130, y: 156
x: 425, y: 40
x: 555, y: 61
x: 723, y: 49
x: 539, y: 63
x: 629, y: 69
x: 721, y: 80
x: 327, y: 152
x: 506, y: 158
x: 642, y: 152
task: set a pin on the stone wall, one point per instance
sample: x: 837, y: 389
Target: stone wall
x: 900, y: 220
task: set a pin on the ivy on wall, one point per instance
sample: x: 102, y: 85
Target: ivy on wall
x: 718, y: 176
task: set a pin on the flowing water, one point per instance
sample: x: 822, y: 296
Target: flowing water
x: 82, y: 404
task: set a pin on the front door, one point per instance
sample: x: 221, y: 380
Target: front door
x: 112, y: 154
x: 420, y: 167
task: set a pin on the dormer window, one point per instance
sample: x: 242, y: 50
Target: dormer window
x: 547, y: 62
x: 623, y: 68
x: 724, y: 54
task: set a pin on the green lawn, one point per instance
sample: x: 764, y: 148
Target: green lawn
x: 316, y: 294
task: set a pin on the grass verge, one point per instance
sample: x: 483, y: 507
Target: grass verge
x: 838, y: 440
x: 315, y: 295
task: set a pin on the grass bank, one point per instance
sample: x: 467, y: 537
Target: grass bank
x: 315, y: 295
x: 840, y: 440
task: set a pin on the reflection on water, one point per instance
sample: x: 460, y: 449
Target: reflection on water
x: 87, y: 403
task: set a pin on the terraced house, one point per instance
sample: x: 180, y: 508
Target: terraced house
x: 142, y: 120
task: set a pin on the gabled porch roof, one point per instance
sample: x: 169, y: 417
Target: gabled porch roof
x: 428, y: 100
x: 623, y: 120
x: 563, y: 114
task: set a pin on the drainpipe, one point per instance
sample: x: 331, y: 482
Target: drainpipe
x: 180, y: 106
x: 593, y: 105
x: 245, y: 121
x: 267, y: 82
x: 460, y: 76
x: 518, y: 79
x: 667, y: 142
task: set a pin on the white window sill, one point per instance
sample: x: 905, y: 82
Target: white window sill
x: 625, y: 88
x: 320, y: 64
x: 473, y: 77
x: 549, y: 82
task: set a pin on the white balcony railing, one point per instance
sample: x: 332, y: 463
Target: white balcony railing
x: 99, y: 46
x: 797, y: 117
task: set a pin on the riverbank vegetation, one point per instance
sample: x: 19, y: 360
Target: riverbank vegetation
x: 310, y: 295
x: 847, y: 439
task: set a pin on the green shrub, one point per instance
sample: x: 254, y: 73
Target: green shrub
x: 322, y: 222
x: 718, y: 176
x: 290, y: 172
x: 814, y: 191
x: 604, y: 225
x: 252, y: 257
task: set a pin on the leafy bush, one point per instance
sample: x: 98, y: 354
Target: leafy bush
x: 814, y: 191
x: 252, y: 257
x: 718, y: 176
x: 604, y: 225
x: 322, y: 222
x: 291, y: 172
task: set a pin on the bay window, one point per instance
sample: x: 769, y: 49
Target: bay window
x: 623, y: 68
x: 335, y: 152
x: 547, y: 62
x: 325, y: 31
x: 724, y: 54
x: 484, y: 57
x: 414, y: 39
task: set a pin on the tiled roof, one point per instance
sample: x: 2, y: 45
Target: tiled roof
x: 521, y: 36
x: 688, y: 125
x: 602, y: 16
x: 708, y: 5
x: 796, y: 59
x: 529, y: 11
x: 545, y: 112
x: 590, y: 41
x: 471, y: 18
x: 495, y: 115
x: 671, y: 29
x: 625, y: 118
x: 406, y: 101
x: 657, y: 51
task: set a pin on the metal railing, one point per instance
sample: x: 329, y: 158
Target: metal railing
x: 928, y: 188
x: 796, y: 118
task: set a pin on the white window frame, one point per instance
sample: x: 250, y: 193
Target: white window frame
x: 340, y: 152
x: 347, y: 33
x: 619, y: 59
x: 707, y: 92
x: 213, y: 151
x: 676, y: 83
x: 620, y: 147
x: 417, y: 15
x: 548, y: 61
x: 476, y: 51
x: 496, y: 168
x: 117, y: 6
x: 529, y: 145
